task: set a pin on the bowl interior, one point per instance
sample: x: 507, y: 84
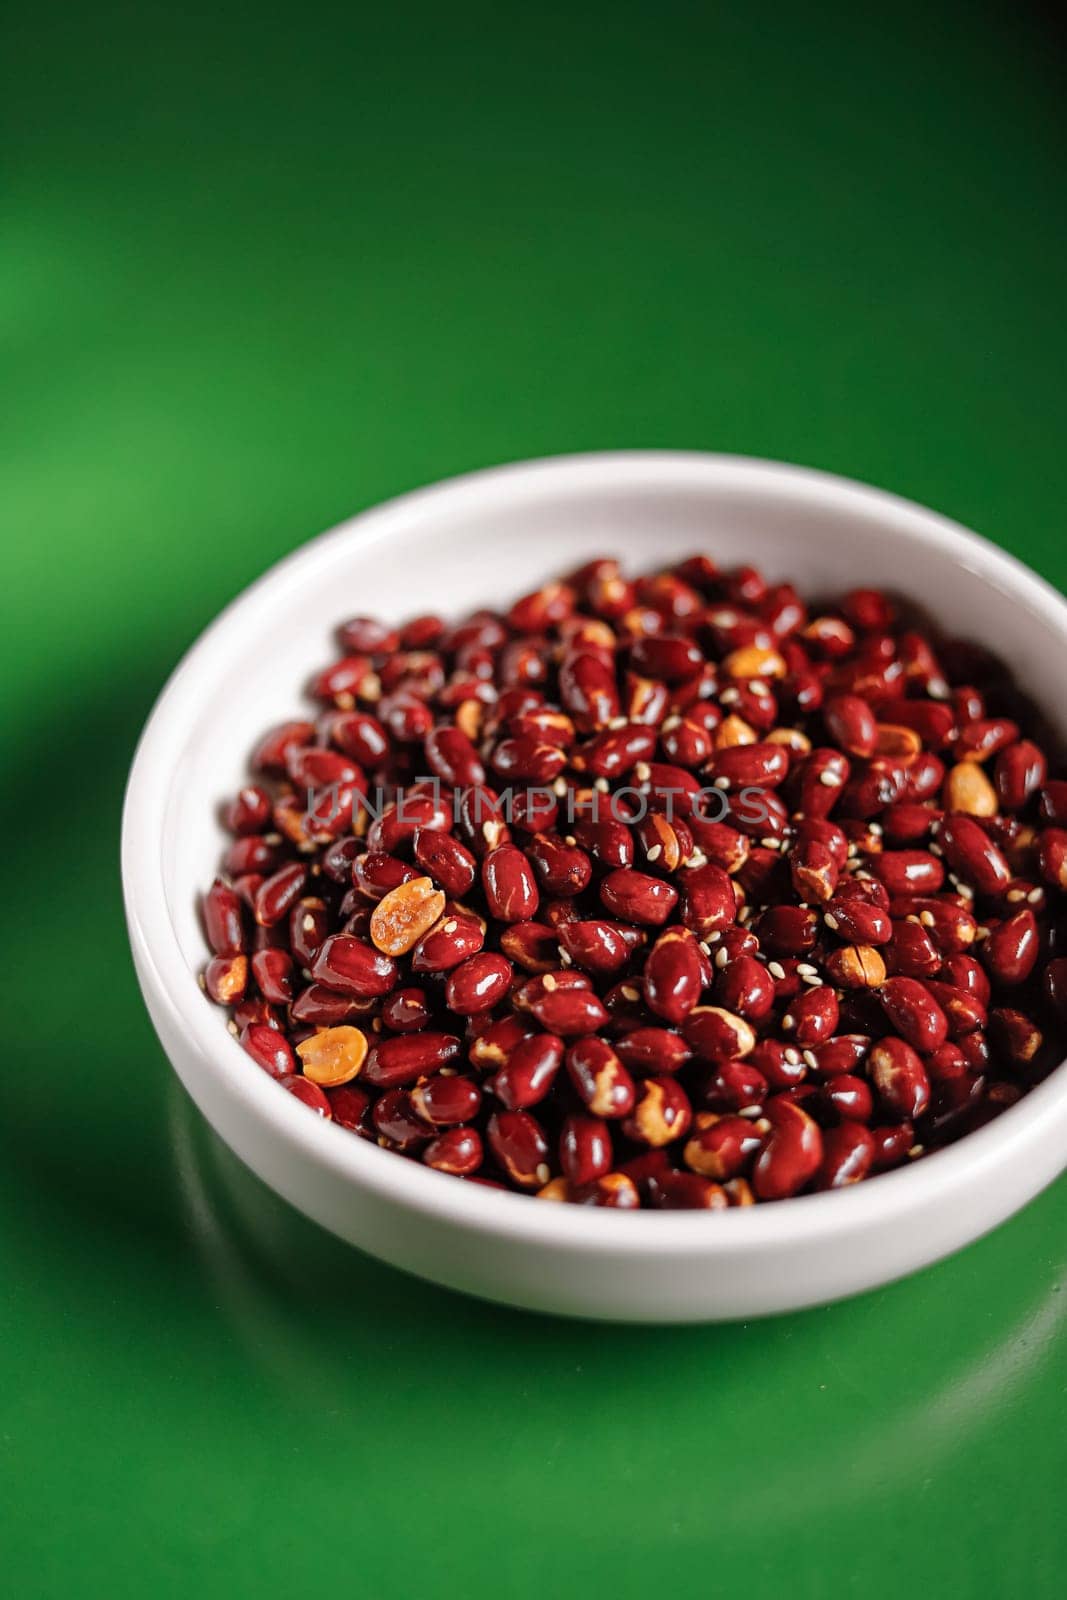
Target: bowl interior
x: 487, y: 539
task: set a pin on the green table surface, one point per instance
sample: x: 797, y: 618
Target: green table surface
x: 259, y: 270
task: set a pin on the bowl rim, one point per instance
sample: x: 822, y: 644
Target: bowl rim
x: 897, y: 1198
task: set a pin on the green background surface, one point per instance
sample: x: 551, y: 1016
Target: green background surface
x: 258, y: 271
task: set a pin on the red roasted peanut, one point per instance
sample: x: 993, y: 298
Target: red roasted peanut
x: 912, y: 953
x: 742, y: 985
x: 1052, y: 856
x: 1011, y: 951
x: 914, y: 1013
x: 353, y: 967
x: 791, y: 1153
x: 717, y: 1035
x: 396, y: 1124
x: 561, y: 868
x: 271, y: 753
x: 534, y: 946
x: 812, y: 1017
x: 269, y: 1049
x: 529, y: 1071
x: 637, y: 897
x: 490, y: 1043
x: 406, y: 1011
x: 686, y: 1191
x: 272, y: 970
x: 509, y: 884
x: 310, y: 1095
x: 899, y: 1077
x: 446, y: 1099
x: 848, y: 1097
x: 852, y: 725
x: 908, y: 871
x: 598, y: 946
x: 709, y: 903
x: 588, y: 690
x: 453, y: 758
x: 972, y: 855
x: 567, y: 1011
x: 602, y: 1082
x: 721, y: 1148
x: 519, y: 1147
x: 984, y: 737
x: 848, y: 1151
x: 614, y: 1189
x: 226, y: 978
x: 453, y: 938
x: 673, y: 975
x: 408, y: 1056
x: 843, y: 1054
x: 478, y: 984
x: 319, y: 1007
x: 585, y: 1149
x: 448, y: 862
x: 735, y: 1086
x: 661, y: 1113
x: 455, y: 1150
x: 607, y: 840
x: 223, y: 921
x: 786, y: 930
x: 1015, y: 1036
x: 652, y: 1051
x: 814, y: 869
x: 858, y: 921
x: 821, y: 780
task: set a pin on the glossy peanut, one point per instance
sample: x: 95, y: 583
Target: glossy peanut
x: 791, y: 1154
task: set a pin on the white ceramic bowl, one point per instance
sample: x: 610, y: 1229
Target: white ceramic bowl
x: 483, y: 540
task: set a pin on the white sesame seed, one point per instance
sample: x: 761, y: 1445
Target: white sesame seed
x: 831, y: 921
x: 789, y: 1022
x: 776, y: 970
x: 722, y: 959
x: 629, y: 993
x: 1036, y: 896
x: 655, y: 853
x: 830, y: 779
x: 721, y: 783
x: 601, y: 785
x: 810, y: 1058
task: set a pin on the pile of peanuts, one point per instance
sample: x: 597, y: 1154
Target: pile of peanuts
x: 670, y: 892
